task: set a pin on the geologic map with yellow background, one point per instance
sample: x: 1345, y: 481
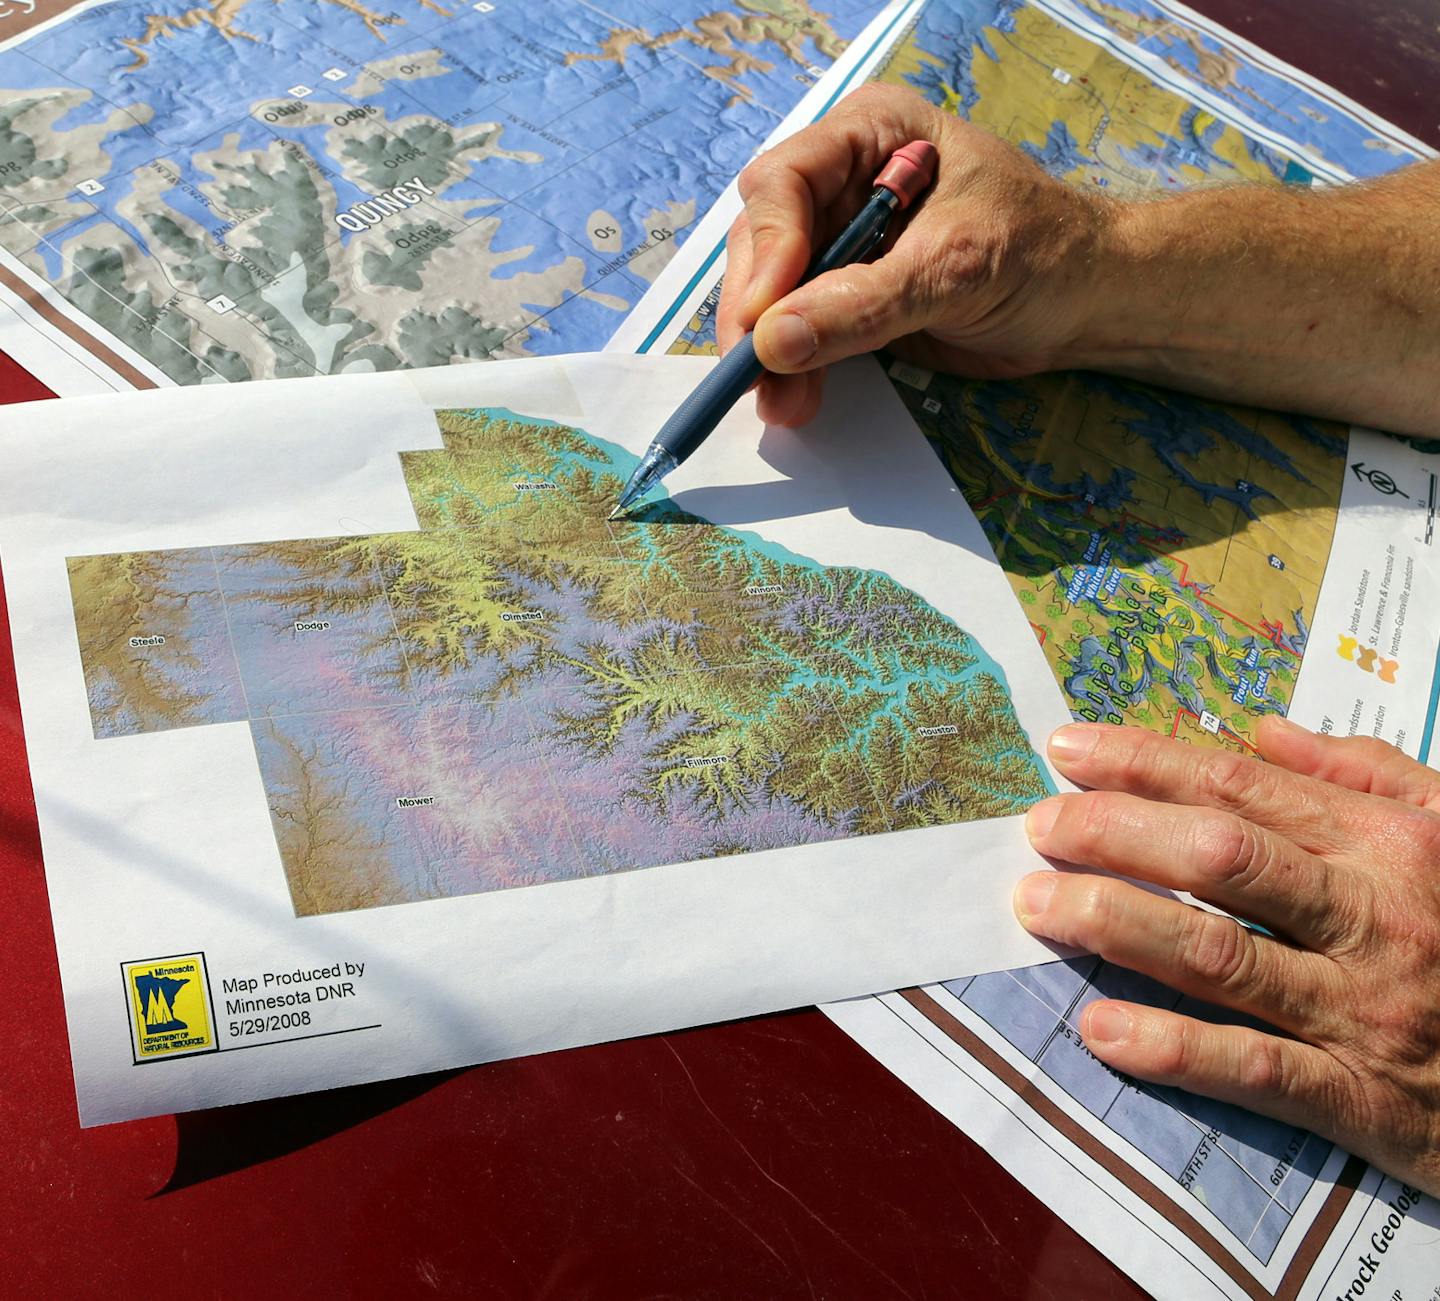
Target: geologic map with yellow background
x: 1090, y: 487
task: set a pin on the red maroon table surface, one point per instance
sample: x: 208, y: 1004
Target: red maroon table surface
x: 766, y: 1158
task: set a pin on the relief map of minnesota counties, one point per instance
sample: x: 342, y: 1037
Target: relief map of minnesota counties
x: 242, y: 190
x: 520, y: 692
x: 1167, y: 550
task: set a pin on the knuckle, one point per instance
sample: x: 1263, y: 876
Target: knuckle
x: 958, y: 263
x: 1094, y: 911
x: 1410, y: 935
x: 1350, y: 1095
x: 862, y: 313
x: 1087, y: 820
x: 1407, y: 1033
x: 1372, y: 750
x: 866, y: 98
x: 1228, y: 781
x: 763, y: 242
x: 1366, y: 1093
x: 1422, y: 831
x: 760, y: 176
x: 856, y: 306
x: 1176, y: 1052
x: 1136, y: 757
x: 752, y: 176
x: 876, y: 99
x: 1264, y: 1071
x: 1216, y: 951
x: 1345, y: 920
x: 1228, y: 851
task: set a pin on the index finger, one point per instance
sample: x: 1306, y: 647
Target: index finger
x: 781, y: 399
x: 787, y: 190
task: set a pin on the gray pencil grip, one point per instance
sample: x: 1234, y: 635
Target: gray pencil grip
x: 737, y: 370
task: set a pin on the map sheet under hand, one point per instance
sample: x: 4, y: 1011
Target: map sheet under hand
x: 364, y: 745
x: 1189, y: 567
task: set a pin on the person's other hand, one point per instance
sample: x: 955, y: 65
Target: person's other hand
x: 992, y: 274
x: 1333, y: 845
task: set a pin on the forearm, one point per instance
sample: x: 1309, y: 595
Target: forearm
x: 1325, y: 302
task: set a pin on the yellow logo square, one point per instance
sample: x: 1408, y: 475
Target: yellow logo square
x: 171, y: 1014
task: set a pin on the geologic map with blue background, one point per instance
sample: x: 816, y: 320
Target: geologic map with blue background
x: 244, y: 190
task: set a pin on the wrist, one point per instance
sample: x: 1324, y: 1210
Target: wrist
x: 1123, y: 321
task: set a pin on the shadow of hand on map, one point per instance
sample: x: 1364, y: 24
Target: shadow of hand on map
x: 821, y: 476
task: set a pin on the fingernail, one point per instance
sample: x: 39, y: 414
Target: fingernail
x: 1073, y: 742
x: 1041, y: 818
x: 1033, y: 895
x: 1283, y: 724
x: 1106, y: 1023
x: 789, y: 339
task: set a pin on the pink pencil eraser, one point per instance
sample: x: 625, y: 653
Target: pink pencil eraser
x: 910, y: 169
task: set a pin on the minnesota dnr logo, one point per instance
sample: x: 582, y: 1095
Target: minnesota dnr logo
x: 171, y: 1014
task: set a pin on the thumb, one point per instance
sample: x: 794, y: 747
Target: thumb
x: 779, y: 213
x: 851, y: 310
x: 1359, y: 763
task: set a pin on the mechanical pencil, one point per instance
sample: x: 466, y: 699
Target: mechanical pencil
x: 902, y: 180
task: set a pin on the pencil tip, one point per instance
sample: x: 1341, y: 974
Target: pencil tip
x: 613, y: 513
